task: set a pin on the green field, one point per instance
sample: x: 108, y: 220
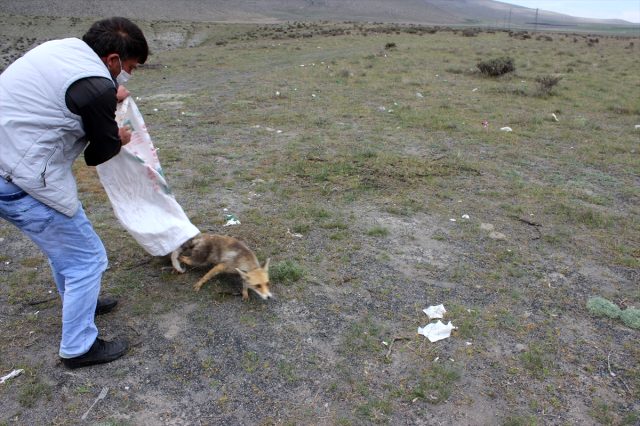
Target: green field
x: 346, y: 151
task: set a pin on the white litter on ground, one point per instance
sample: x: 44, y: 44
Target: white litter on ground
x: 506, y: 129
x: 11, y: 375
x: 231, y: 220
x: 436, y: 331
x: 294, y: 234
x: 102, y: 395
x: 435, y: 311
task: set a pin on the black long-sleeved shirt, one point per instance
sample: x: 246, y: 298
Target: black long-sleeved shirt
x: 94, y: 100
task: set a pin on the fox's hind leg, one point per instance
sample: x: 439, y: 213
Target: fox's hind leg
x: 212, y: 273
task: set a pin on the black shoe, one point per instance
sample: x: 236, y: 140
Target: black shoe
x: 99, y: 353
x: 105, y: 305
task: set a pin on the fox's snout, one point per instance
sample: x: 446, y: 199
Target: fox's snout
x: 262, y: 290
x: 266, y: 296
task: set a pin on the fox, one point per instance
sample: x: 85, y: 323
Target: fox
x: 228, y: 255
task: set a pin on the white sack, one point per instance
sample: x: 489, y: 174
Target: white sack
x: 139, y: 194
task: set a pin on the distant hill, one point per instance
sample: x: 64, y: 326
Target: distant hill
x: 432, y: 12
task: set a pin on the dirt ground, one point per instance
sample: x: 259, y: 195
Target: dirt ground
x: 359, y: 245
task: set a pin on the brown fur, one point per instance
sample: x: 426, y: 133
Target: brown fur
x: 228, y: 255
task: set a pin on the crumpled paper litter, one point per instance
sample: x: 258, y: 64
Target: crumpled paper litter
x: 435, y: 312
x: 436, y: 331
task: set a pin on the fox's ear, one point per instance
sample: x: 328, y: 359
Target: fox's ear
x: 266, y: 265
x: 242, y: 273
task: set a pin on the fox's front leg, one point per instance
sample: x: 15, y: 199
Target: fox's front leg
x: 245, y: 291
x: 213, y: 272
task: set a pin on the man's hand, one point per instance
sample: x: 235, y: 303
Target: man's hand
x: 125, y: 134
x: 122, y: 93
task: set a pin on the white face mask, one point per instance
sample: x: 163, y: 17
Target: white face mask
x: 124, y: 76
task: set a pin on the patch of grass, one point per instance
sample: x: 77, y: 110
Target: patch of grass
x: 84, y: 389
x: 288, y: 371
x: 286, y: 272
x: 336, y: 224
x: 404, y: 206
x: 435, y: 384
x: 32, y: 262
x: 465, y: 319
x: 623, y: 110
x: 375, y: 410
x: 32, y: 391
x: 627, y: 255
x: 378, y: 231
x: 363, y: 337
x: 209, y: 366
x: 20, y: 285
x: 386, y: 171
x: 580, y: 215
x: 602, y: 412
x: 339, y: 236
x: 301, y: 228
x: 536, y: 361
x: 250, y: 362
x: 631, y: 419
x: 516, y: 420
x: 114, y: 422
x: 200, y: 184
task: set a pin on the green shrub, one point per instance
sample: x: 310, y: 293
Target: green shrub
x: 378, y: 231
x: 546, y: 84
x: 631, y: 317
x: 470, y: 32
x: 286, y: 272
x: 497, y: 67
x: 602, y: 307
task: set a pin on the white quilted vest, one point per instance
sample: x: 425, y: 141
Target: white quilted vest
x: 39, y: 137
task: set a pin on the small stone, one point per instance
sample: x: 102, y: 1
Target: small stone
x: 556, y: 278
x: 487, y: 227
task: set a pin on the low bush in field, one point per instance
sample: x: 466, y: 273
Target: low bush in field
x: 546, y: 84
x: 496, y: 67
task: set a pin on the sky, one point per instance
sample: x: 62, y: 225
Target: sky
x: 629, y: 10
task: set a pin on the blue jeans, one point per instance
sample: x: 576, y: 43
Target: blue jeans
x: 76, y: 256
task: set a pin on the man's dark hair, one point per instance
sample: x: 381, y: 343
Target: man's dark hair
x: 117, y: 35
